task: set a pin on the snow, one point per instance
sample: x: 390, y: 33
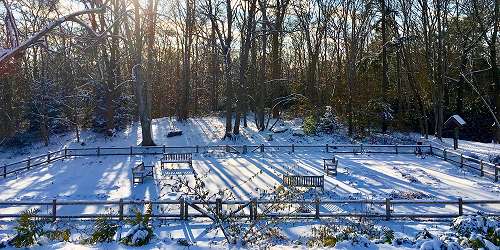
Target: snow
x: 244, y: 176
x: 459, y: 120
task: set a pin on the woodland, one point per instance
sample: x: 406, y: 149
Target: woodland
x: 381, y: 65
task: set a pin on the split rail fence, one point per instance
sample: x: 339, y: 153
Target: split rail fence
x: 250, y: 208
x: 254, y: 209
x: 483, y: 168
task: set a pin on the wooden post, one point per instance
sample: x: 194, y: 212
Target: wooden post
x: 326, y: 147
x: 98, y: 151
x: 218, y: 207
x: 48, y: 157
x: 481, y: 167
x: 444, y: 154
x: 244, y: 150
x: 387, y: 208
x: 496, y: 172
x: 396, y: 147
x: 29, y: 162
x: 316, y: 203
x: 5, y: 171
x: 293, y: 148
x: 120, y: 210
x: 460, y: 206
x: 186, y: 209
x: 65, y: 152
x: 197, y: 149
x: 430, y: 149
x: 227, y: 148
x: 182, y: 204
x: 130, y: 150
x: 262, y: 148
x: 461, y: 160
x: 54, y: 209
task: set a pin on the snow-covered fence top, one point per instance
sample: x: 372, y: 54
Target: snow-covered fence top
x: 484, y: 168
x: 255, y: 208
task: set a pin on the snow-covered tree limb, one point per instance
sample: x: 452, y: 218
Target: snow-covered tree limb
x: 9, y: 53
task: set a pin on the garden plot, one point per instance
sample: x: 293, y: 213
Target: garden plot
x: 242, y: 177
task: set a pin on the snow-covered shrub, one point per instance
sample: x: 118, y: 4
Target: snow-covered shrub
x: 310, y: 125
x: 104, y: 230
x: 28, y: 230
x: 322, y: 236
x: 466, y: 225
x: 327, y: 123
x: 141, y: 231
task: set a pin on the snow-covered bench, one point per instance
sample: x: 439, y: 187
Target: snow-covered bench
x: 177, y: 158
x: 141, y: 171
x: 304, y: 181
x: 330, y: 165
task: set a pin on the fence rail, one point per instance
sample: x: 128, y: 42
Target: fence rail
x: 252, y: 209
x: 484, y: 168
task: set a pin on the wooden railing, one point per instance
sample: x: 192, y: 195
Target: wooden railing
x: 483, y: 167
x: 253, y: 209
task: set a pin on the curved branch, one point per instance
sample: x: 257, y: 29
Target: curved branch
x: 33, y: 39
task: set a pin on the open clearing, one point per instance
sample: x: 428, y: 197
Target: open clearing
x: 242, y: 177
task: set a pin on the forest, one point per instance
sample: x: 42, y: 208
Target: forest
x: 381, y: 65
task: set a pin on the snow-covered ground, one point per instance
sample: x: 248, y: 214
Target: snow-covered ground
x: 238, y: 176
x: 480, y: 149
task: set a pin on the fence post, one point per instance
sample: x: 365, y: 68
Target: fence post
x: 186, y: 209
x: 262, y: 148
x: 460, y: 206
x: 316, y: 203
x: 430, y: 149
x: 54, y: 209
x: 461, y: 160
x: 496, y: 172
x: 98, y: 151
x: 182, y: 204
x: 396, y: 147
x: 218, y: 207
x: 387, y: 208
x: 293, y: 148
x: 29, y: 162
x: 48, y: 157
x: 444, y: 154
x: 5, y: 171
x: 244, y: 150
x: 120, y: 210
x: 65, y: 152
x: 327, y: 148
x: 481, y: 166
x: 197, y: 149
x: 227, y: 148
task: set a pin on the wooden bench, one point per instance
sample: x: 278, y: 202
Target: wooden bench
x: 304, y: 181
x: 177, y: 158
x: 330, y: 165
x: 141, y: 171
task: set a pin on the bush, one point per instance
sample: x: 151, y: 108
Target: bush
x: 310, y: 124
x: 104, y: 231
x: 29, y: 229
x: 141, y: 231
x: 322, y: 236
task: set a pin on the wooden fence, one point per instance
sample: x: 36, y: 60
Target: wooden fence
x: 252, y: 209
x: 483, y: 168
